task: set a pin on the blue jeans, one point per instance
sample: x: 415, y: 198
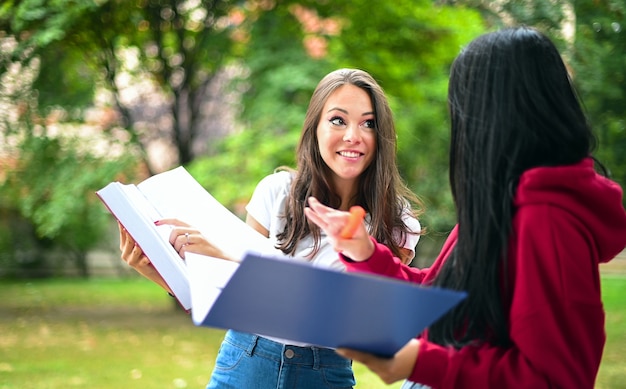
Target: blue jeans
x: 253, y: 362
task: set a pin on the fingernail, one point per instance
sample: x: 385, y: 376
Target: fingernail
x: 157, y: 222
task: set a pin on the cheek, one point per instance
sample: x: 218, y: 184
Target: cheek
x: 370, y: 141
x: 325, y: 140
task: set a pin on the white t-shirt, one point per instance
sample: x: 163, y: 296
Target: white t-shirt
x: 267, y: 207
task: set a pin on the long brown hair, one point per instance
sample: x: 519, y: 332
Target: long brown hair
x: 382, y: 192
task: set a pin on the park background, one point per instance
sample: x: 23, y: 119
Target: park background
x: 97, y: 91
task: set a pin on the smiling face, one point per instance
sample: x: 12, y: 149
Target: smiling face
x: 346, y: 134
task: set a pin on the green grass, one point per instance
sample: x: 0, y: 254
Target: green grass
x: 105, y: 333
x: 108, y: 333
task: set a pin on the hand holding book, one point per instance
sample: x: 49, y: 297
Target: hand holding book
x: 185, y: 238
x: 175, y: 193
x: 132, y: 254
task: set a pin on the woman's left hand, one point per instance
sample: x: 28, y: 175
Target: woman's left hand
x: 390, y: 370
x: 185, y: 239
x: 358, y: 248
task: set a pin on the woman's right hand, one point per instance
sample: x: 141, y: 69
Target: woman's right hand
x: 132, y: 254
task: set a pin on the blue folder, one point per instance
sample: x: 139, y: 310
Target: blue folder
x: 294, y: 300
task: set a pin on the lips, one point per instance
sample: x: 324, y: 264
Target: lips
x: 350, y: 154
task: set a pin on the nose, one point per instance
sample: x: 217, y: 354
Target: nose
x: 352, y: 134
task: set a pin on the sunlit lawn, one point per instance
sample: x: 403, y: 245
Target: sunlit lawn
x: 105, y: 333
x: 108, y: 333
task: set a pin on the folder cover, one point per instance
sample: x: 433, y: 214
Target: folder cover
x: 292, y: 299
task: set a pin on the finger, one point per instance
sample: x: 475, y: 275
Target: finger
x: 182, y: 236
x: 122, y: 236
x: 171, y: 221
x: 315, y: 218
x: 137, y: 258
x: 328, y: 219
x: 182, y: 251
x: 132, y: 254
x: 126, y: 246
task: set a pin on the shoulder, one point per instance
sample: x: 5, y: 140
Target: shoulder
x: 269, y: 197
x: 278, y: 178
x: 279, y: 181
x: 411, y: 221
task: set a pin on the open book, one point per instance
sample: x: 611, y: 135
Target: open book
x: 176, y: 194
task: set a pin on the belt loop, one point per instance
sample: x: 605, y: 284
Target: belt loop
x: 316, y: 358
x: 252, y: 345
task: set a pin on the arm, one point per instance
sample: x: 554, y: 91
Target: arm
x: 361, y: 252
x: 252, y: 222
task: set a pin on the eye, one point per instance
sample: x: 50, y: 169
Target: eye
x: 371, y: 123
x: 337, y: 121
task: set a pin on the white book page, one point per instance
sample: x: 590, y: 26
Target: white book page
x: 207, y: 277
x: 143, y: 206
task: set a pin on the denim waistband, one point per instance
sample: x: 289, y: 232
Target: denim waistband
x: 315, y: 357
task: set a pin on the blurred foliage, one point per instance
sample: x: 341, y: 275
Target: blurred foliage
x: 59, y: 57
x: 176, y: 46
x: 53, y: 185
x: 599, y: 63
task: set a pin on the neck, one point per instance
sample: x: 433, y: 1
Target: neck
x: 346, y: 190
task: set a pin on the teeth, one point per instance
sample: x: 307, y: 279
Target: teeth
x: 349, y: 154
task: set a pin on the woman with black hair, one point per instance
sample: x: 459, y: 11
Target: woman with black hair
x: 534, y: 221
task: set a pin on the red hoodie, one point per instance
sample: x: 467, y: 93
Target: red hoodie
x: 568, y: 220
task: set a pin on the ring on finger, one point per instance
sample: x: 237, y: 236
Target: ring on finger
x: 187, y: 236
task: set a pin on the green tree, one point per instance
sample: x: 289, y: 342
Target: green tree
x: 174, y: 48
x: 599, y: 60
x: 52, y: 184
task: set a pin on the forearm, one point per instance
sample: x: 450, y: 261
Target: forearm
x: 148, y: 271
x: 383, y: 262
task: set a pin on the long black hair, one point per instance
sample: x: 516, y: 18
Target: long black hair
x: 512, y: 107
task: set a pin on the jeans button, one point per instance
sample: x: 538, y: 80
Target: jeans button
x: 289, y: 354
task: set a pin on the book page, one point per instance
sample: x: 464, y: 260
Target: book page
x: 206, y: 282
x: 143, y: 206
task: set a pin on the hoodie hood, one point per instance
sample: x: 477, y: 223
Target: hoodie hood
x: 588, y: 196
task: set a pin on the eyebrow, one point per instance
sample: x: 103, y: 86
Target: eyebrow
x: 346, y: 112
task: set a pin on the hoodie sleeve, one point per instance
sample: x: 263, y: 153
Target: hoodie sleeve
x: 384, y: 263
